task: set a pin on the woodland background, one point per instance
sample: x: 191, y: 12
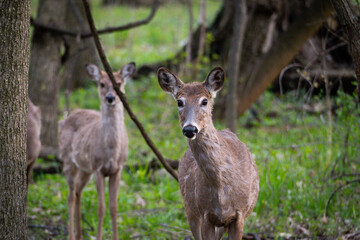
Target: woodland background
x: 290, y: 96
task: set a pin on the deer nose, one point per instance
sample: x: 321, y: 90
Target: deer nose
x: 110, y: 98
x: 190, y: 131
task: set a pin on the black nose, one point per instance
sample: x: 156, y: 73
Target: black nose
x: 110, y: 98
x: 190, y: 131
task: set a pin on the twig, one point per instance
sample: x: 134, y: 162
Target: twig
x: 338, y: 189
x: 122, y: 95
x: 346, y: 175
x: 87, y: 223
x: 176, y: 228
x: 50, y: 228
x: 189, y: 44
x: 102, y: 31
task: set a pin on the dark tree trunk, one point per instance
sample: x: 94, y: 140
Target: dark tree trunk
x: 276, y: 32
x: 14, y: 65
x: 45, y: 64
x: 79, y: 51
x: 351, y: 23
x: 269, y: 65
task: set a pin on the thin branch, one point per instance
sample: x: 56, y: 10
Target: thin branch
x: 189, y: 44
x: 122, y: 95
x: 338, y: 189
x: 202, y: 26
x: 102, y: 31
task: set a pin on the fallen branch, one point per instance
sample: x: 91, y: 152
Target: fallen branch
x: 122, y: 95
x: 338, y: 189
x: 102, y: 31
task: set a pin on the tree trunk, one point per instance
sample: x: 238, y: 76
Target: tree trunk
x: 350, y: 22
x: 283, y: 50
x: 45, y: 64
x: 14, y: 64
x: 79, y: 51
x: 234, y: 63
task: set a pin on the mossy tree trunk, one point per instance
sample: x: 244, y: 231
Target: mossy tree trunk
x: 45, y: 63
x: 14, y: 64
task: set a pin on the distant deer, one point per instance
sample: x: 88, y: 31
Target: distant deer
x: 218, y: 177
x: 33, y: 143
x: 93, y: 142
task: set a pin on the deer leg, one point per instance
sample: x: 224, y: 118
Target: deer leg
x: 236, y: 228
x: 207, y: 229
x: 29, y: 171
x: 114, y: 181
x: 82, y: 180
x: 100, y: 187
x: 70, y: 172
x: 195, y: 226
x: 219, y: 232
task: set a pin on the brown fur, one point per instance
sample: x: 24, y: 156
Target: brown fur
x: 218, y: 177
x: 33, y: 143
x: 93, y: 142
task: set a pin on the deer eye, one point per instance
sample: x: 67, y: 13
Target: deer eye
x: 204, y: 102
x: 102, y: 85
x: 118, y: 84
x: 180, y: 103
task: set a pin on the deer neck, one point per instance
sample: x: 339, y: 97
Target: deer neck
x: 207, y: 151
x: 112, y: 120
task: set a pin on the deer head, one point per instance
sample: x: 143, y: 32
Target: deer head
x: 194, y: 100
x: 106, y: 90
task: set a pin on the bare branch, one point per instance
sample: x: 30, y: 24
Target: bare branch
x: 122, y: 95
x: 102, y: 31
x: 338, y: 189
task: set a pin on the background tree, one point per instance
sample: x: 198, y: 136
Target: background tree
x: 45, y: 63
x: 14, y: 64
x: 351, y: 23
x: 277, y: 33
x: 79, y: 51
x: 235, y: 50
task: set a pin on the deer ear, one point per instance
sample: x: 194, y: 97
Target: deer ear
x: 93, y: 71
x: 215, y: 81
x: 128, y: 71
x: 169, y: 83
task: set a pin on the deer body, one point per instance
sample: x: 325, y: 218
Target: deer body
x: 93, y: 142
x: 218, y: 178
x: 33, y: 143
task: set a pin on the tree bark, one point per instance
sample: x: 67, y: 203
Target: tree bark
x: 14, y: 63
x: 45, y: 64
x: 351, y: 24
x: 234, y: 63
x: 288, y: 44
x: 80, y: 51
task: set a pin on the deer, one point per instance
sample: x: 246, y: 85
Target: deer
x: 96, y: 143
x: 218, y: 177
x: 33, y: 142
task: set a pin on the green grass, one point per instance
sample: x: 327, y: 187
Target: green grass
x: 291, y: 151
x: 296, y: 152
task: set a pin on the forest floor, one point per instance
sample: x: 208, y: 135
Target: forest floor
x: 303, y: 153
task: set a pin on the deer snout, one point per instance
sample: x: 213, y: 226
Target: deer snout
x: 190, y: 131
x: 110, y: 99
